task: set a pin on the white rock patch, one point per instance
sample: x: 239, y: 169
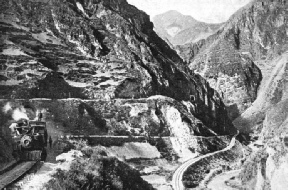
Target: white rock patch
x: 134, y: 150
x: 44, y: 37
x: 180, y: 132
x: 137, y: 108
x: 173, y: 31
x: 80, y: 7
x: 77, y: 84
x: 69, y: 156
x: 13, y: 51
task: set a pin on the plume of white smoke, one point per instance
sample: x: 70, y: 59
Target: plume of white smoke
x: 7, y: 108
x: 19, y: 113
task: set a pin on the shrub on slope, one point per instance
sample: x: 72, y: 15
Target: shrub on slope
x: 97, y: 171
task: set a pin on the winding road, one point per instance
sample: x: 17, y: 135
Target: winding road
x: 178, y: 174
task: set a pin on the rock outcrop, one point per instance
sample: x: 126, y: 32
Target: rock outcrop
x: 156, y: 116
x: 255, y: 44
x: 272, y: 91
x: 231, y: 58
x: 95, y: 50
x: 266, y: 169
x: 180, y: 29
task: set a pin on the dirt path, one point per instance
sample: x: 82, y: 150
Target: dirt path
x: 218, y: 182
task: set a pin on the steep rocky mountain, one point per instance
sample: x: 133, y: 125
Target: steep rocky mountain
x: 267, y: 120
x: 247, y: 61
x: 181, y: 29
x: 272, y: 91
x: 230, y: 59
x: 97, y: 67
x: 254, y: 40
x: 101, y: 51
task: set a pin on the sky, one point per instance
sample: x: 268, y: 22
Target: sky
x: 210, y: 11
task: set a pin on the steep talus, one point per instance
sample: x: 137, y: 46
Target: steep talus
x: 232, y: 58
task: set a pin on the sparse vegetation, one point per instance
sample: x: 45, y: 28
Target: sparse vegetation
x: 249, y: 168
x: 97, y: 171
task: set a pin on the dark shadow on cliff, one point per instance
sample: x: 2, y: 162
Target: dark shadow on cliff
x: 233, y: 111
x: 95, y: 116
x: 55, y: 87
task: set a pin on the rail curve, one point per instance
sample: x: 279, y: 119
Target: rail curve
x: 177, y: 183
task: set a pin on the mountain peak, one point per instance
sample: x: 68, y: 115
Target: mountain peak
x: 180, y: 29
x: 171, y: 12
x: 173, y: 15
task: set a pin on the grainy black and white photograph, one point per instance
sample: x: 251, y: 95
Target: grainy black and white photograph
x: 144, y: 94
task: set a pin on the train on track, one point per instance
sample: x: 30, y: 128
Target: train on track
x: 30, y: 140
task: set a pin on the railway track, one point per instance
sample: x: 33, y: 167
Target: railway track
x: 177, y: 183
x: 15, y: 173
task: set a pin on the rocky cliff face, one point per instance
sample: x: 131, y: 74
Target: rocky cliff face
x: 93, y: 49
x: 101, y: 51
x: 274, y: 133
x: 180, y: 29
x: 272, y: 91
x: 266, y: 118
x: 266, y: 169
x: 156, y: 116
x: 230, y: 59
x: 271, y: 59
x: 253, y: 41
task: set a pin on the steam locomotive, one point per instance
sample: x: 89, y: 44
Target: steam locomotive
x: 30, y: 140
